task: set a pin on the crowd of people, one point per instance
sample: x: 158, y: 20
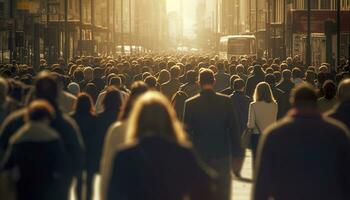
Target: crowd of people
x: 157, y: 126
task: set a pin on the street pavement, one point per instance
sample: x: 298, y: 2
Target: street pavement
x: 241, y: 190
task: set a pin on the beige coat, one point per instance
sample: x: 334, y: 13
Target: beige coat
x: 261, y: 114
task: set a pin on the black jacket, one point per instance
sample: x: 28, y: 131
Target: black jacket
x: 341, y: 113
x: 37, y: 153
x: 90, y: 134
x: 66, y: 128
x: 305, y: 156
x: 210, y: 121
x: 158, y: 169
x: 170, y: 88
x: 240, y: 109
x: 252, y: 82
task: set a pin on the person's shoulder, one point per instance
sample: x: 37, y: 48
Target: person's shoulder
x: 193, y: 99
x: 279, y: 127
x: 14, y: 117
x: 69, y: 96
x: 337, y: 125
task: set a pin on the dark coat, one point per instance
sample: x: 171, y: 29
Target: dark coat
x: 341, y: 113
x: 37, y: 152
x: 252, y: 82
x: 190, y: 88
x: 158, y: 169
x: 66, y: 128
x: 210, y: 121
x: 222, y: 81
x: 305, y: 156
x: 89, y: 132
x: 228, y: 91
x: 170, y: 88
x: 286, y: 86
x: 240, y: 109
x: 282, y: 101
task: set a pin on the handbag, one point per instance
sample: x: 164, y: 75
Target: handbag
x: 246, y: 138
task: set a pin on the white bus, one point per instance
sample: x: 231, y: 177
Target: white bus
x: 237, y: 45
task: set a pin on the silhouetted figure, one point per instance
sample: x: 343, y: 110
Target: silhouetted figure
x: 172, y: 86
x: 191, y: 86
x: 222, y: 78
x: 178, y: 103
x: 158, y: 162
x: 116, y: 135
x: 46, y: 88
x: 329, y: 99
x: 86, y: 119
x: 211, y: 126
x: 305, y: 155
x: 36, y: 155
x: 240, y: 103
x: 253, y: 80
x: 280, y: 96
x: 341, y: 111
x: 286, y: 84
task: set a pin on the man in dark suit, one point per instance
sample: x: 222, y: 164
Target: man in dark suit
x: 240, y: 109
x: 172, y: 86
x: 280, y: 96
x: 210, y: 121
x: 341, y: 112
x: 305, y: 155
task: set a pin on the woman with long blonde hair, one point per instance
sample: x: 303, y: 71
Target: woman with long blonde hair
x: 157, y: 162
x: 262, y: 113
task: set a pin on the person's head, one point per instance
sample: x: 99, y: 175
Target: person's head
x: 206, y: 78
x: 232, y: 80
x: 239, y: 85
x: 220, y: 66
x: 4, y: 88
x: 137, y: 89
x: 153, y: 115
x: 97, y: 73
x: 84, y: 104
x: 191, y: 76
x: 310, y: 76
x: 329, y: 89
x: 115, y: 81
x: 296, y: 73
x: 46, y: 87
x: 278, y: 76
x: 78, y: 76
x: 175, y: 72
x: 151, y: 81
x: 240, y: 69
x: 112, y: 101
x: 40, y: 111
x: 91, y: 89
x: 88, y: 73
x: 73, y: 88
x: 286, y: 75
x: 164, y: 76
x: 304, y: 96
x: 257, y: 70
x: 344, y: 90
x: 263, y: 93
x: 270, y: 79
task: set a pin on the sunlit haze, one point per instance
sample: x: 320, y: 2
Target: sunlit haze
x: 189, y: 8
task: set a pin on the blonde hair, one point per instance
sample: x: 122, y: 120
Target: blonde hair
x: 153, y: 114
x: 263, y: 93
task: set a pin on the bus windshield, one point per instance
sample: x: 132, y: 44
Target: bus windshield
x: 240, y: 46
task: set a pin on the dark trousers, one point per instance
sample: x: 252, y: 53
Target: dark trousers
x: 254, y: 143
x: 222, y: 166
x: 88, y: 182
